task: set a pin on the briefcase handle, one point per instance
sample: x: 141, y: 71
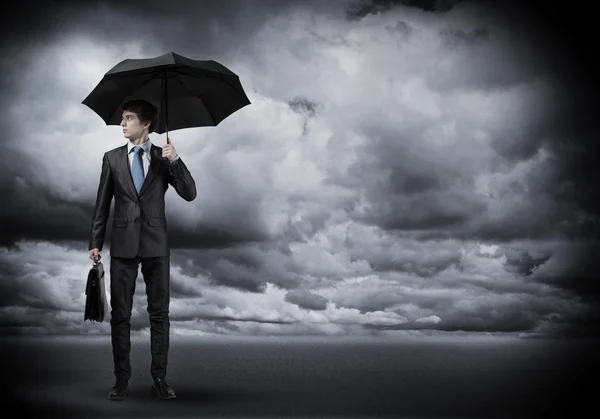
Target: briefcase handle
x: 97, y: 261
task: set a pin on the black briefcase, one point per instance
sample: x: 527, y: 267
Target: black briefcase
x: 95, y: 301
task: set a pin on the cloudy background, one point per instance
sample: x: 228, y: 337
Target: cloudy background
x: 404, y: 168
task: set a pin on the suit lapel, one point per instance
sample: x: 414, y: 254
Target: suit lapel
x: 150, y: 176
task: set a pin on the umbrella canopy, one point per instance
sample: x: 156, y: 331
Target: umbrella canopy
x: 187, y: 93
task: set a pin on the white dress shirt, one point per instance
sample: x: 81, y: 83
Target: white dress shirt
x: 146, y: 146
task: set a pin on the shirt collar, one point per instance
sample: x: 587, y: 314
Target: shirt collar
x: 146, y: 146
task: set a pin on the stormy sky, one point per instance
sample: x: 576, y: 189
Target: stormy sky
x: 404, y: 167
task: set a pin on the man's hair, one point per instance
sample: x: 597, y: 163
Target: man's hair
x: 144, y: 110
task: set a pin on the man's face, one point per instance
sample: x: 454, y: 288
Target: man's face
x: 132, y: 126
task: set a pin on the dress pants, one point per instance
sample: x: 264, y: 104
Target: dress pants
x: 123, y: 275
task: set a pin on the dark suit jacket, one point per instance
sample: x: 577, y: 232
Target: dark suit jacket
x: 139, y: 225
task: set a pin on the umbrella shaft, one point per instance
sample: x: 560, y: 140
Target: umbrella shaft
x: 165, y: 78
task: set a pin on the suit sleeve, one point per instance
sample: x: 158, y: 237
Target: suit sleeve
x: 181, y: 179
x: 102, y: 209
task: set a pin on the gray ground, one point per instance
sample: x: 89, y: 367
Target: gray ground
x: 305, y: 377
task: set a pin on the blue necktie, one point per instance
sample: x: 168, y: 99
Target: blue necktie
x: 137, y: 168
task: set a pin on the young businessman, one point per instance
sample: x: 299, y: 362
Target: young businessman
x: 137, y: 175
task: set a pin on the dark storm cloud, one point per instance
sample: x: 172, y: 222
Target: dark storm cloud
x: 191, y: 21
x: 359, y: 9
x: 569, y: 125
x: 514, y: 307
x: 570, y: 266
x: 232, y: 274
x: 524, y: 263
x: 9, y: 289
x: 456, y: 37
x: 36, y: 212
x: 425, y: 293
x: 181, y: 289
x: 571, y: 323
x: 575, y: 267
x: 244, y: 268
x: 226, y: 319
x: 410, y: 186
x: 201, y: 26
x: 27, y: 320
x: 565, y: 188
x: 383, y: 262
x: 306, y: 299
x: 506, y: 321
x: 577, y: 172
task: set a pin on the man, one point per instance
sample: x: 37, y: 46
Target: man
x: 138, y: 174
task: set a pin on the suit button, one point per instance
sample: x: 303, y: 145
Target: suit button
x: 137, y: 221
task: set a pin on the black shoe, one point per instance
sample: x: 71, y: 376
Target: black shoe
x: 119, y: 390
x: 163, y: 391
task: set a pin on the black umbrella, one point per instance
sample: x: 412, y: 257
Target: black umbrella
x: 197, y: 93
